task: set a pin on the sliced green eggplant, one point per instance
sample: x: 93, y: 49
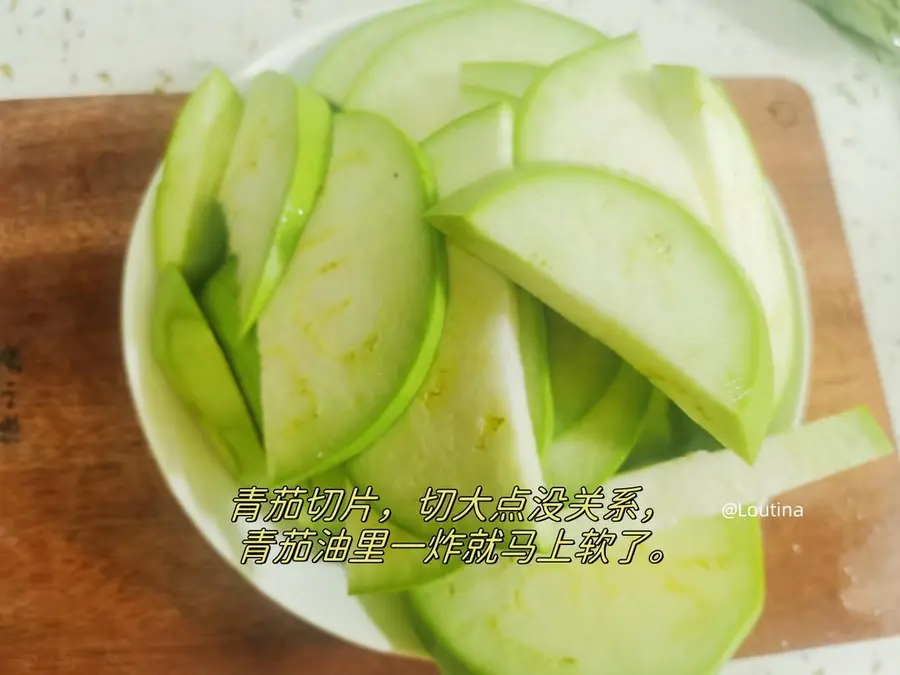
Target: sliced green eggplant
x: 470, y: 425
x: 186, y: 350
x: 352, y: 53
x: 684, y: 613
x: 188, y: 231
x: 581, y: 370
x: 599, y: 107
x: 511, y: 78
x: 594, y: 448
x: 219, y: 301
x: 350, y: 334
x: 271, y: 183
x: 626, y: 264
x: 724, y: 160
x: 414, y: 81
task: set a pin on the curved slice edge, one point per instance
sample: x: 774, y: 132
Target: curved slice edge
x: 592, y: 450
x: 313, y: 148
x: 336, y: 72
x: 185, y: 348
x: 740, y: 416
x: 491, y: 620
x: 407, y: 80
x: 187, y: 229
x: 533, y: 346
x: 415, y: 369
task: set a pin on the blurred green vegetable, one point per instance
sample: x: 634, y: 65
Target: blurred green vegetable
x: 875, y: 23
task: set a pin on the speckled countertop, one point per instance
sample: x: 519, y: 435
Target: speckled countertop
x: 72, y: 47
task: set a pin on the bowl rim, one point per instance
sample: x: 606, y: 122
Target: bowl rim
x: 280, y: 57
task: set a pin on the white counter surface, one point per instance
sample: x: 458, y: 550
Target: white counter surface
x: 79, y: 47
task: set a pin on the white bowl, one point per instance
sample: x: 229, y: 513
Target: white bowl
x: 315, y: 593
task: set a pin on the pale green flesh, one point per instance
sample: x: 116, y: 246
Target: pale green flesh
x: 581, y: 370
x: 533, y: 345
x: 470, y: 424
x: 509, y: 78
x: 635, y: 271
x: 468, y: 149
x: 599, y: 108
x: 414, y: 81
x: 184, y: 346
x: 676, y: 434
x: 465, y: 151
x: 727, y: 168
x: 592, y: 450
x: 401, y: 569
x: 187, y: 229
x: 701, y: 483
x: 219, y: 301
x: 471, y: 148
x: 313, y: 148
x: 686, y: 615
x: 349, y: 56
x: 351, y: 331
x: 258, y: 178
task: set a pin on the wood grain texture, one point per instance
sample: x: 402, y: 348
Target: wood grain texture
x: 100, y: 571
x: 831, y: 576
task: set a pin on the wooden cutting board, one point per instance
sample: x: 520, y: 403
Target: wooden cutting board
x: 100, y: 571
